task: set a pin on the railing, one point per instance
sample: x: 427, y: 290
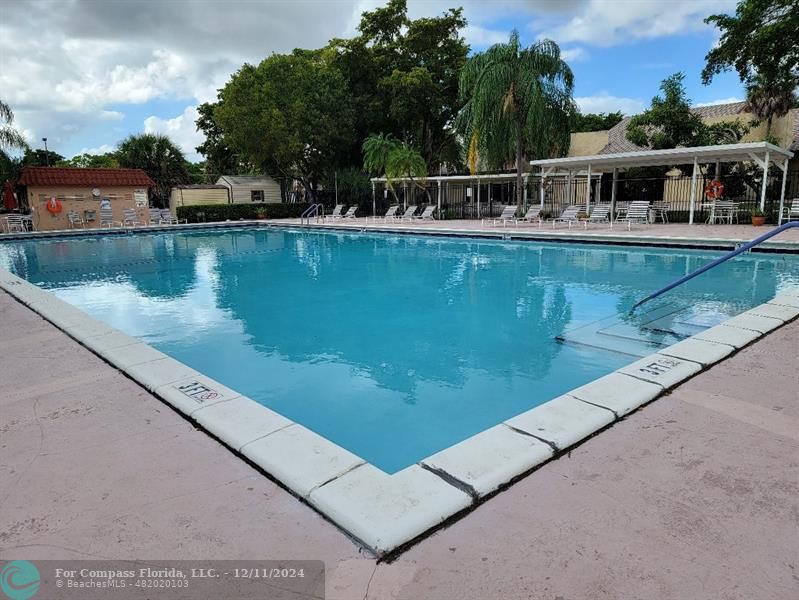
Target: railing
x: 714, y: 263
x: 313, y: 211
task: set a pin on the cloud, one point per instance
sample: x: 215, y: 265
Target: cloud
x: 181, y: 129
x: 604, y: 102
x: 729, y: 100
x: 602, y: 23
x: 102, y: 149
x: 575, y: 54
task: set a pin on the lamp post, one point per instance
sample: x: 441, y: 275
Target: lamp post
x: 46, y: 153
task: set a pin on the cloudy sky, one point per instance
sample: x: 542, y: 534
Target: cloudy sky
x: 86, y: 73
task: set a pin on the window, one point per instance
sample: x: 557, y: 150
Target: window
x: 257, y: 195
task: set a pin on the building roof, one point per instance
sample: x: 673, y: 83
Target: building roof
x: 672, y: 156
x: 69, y: 176
x: 246, y: 179
x: 201, y: 186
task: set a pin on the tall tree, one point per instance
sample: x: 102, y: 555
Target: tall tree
x: 669, y: 122
x: 159, y: 157
x: 290, y: 116
x: 41, y: 158
x: 220, y: 158
x: 517, y: 102
x: 595, y: 121
x: 10, y: 138
x: 376, y: 151
x: 91, y: 161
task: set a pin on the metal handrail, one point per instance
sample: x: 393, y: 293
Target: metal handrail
x: 312, y: 211
x: 714, y: 263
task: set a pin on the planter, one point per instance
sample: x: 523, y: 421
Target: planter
x: 758, y: 221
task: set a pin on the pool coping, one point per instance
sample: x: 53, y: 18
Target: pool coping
x: 385, y: 512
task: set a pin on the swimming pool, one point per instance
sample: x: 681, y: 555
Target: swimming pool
x: 393, y: 346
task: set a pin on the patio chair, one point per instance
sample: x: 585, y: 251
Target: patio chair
x: 166, y: 217
x: 533, y: 214
x: 660, y: 210
x: 569, y: 215
x: 350, y: 214
x: 336, y: 214
x: 74, y: 219
x: 427, y: 213
x: 15, y: 223
x: 155, y: 216
x: 391, y: 213
x: 637, y: 212
x: 599, y: 214
x: 791, y: 212
x: 508, y: 214
x: 130, y: 218
x: 408, y: 214
x: 107, y: 217
x: 724, y: 211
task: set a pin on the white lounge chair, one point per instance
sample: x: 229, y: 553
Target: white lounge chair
x: 391, y: 213
x: 350, y: 214
x: 74, y: 219
x: 599, y: 214
x: 166, y: 217
x: 637, y: 212
x: 130, y: 218
x: 533, y: 214
x: 15, y: 223
x: 569, y: 215
x: 508, y: 214
x: 336, y: 214
x: 408, y: 214
x: 107, y: 217
x: 155, y: 216
x: 427, y: 213
x: 791, y: 212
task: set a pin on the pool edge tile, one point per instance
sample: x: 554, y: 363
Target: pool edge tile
x: 700, y: 351
x: 618, y: 392
x: 239, y: 421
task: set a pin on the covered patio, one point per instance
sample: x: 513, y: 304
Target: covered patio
x: 763, y: 154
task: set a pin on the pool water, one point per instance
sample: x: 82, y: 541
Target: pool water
x: 393, y: 346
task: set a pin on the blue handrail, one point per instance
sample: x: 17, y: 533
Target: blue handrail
x: 747, y: 246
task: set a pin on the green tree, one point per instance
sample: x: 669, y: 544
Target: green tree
x: 759, y: 40
x: 769, y: 100
x: 159, y: 157
x: 290, y: 116
x: 10, y: 138
x: 406, y: 162
x: 91, y: 161
x: 376, y: 151
x: 517, y: 102
x: 669, y: 122
x: 595, y: 121
x: 220, y: 158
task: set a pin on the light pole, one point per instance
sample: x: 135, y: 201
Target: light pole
x: 46, y: 153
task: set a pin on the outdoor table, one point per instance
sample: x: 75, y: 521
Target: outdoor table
x: 711, y: 206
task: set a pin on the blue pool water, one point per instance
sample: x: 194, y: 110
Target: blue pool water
x: 393, y: 347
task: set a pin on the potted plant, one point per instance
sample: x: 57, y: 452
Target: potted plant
x: 758, y: 217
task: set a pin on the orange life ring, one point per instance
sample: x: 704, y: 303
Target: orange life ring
x: 714, y: 190
x: 54, y: 206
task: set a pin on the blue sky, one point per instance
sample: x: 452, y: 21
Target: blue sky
x: 105, y: 70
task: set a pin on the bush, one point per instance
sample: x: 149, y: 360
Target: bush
x: 207, y: 213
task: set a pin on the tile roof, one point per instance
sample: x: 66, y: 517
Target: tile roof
x: 618, y: 142
x: 70, y: 176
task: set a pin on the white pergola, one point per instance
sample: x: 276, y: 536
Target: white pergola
x: 761, y: 153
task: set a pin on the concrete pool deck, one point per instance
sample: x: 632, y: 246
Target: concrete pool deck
x: 696, y: 495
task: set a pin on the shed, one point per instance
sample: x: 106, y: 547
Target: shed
x: 245, y: 189
x: 192, y: 195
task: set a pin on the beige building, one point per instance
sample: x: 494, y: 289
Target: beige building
x: 82, y: 191
x: 246, y: 189
x: 192, y: 195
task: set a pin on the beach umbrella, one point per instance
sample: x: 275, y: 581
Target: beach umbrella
x: 9, y: 198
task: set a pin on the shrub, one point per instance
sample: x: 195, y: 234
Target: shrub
x: 234, y: 212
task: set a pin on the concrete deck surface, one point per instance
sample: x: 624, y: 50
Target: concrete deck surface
x: 694, y: 496
x: 659, y: 230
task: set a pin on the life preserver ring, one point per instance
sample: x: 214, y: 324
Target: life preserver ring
x: 714, y: 190
x: 54, y: 206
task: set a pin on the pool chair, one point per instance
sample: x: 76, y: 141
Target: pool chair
x: 637, y: 212
x: 130, y: 218
x: 427, y: 213
x: 74, y: 219
x: 408, y: 214
x: 14, y: 223
x: 391, y: 213
x: 350, y: 214
x: 166, y: 217
x: 155, y: 217
x: 791, y: 213
x: 570, y: 214
x: 533, y: 214
x: 336, y: 214
x: 508, y: 214
x: 599, y: 214
x: 107, y: 217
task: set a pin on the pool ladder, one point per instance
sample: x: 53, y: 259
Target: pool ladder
x: 313, y: 211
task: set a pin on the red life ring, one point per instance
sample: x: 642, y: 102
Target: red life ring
x: 714, y: 190
x: 54, y: 206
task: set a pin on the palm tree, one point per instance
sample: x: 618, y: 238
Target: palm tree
x: 406, y: 162
x: 159, y: 157
x: 769, y: 99
x: 376, y: 150
x: 516, y: 100
x: 10, y: 138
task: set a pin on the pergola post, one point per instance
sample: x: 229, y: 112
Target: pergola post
x: 524, y: 179
x: 374, y: 202
x: 692, y: 206
x: 588, y: 193
x: 765, y: 182
x: 569, y: 187
x: 613, y: 194
x: 784, y: 168
x: 478, y: 197
x: 404, y: 196
x: 439, y: 199
x: 541, y: 192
